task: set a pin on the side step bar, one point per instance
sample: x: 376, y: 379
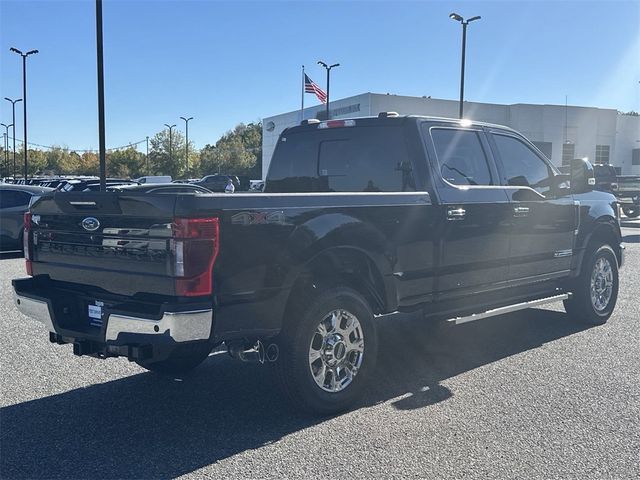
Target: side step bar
x: 509, y: 309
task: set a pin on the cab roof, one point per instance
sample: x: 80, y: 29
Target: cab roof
x: 387, y: 118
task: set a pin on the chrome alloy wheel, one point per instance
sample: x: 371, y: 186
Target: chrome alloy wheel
x: 336, y: 351
x: 601, y: 284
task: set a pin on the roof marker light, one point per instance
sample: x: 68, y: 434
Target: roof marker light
x: 465, y: 122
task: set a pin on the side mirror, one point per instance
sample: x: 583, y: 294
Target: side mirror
x: 582, y: 176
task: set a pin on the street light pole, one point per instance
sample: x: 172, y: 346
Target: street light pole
x: 5, y: 146
x: 170, y: 127
x: 24, y: 101
x: 147, y: 157
x: 186, y: 145
x: 458, y: 18
x: 328, y: 68
x: 100, y: 74
x: 13, y: 109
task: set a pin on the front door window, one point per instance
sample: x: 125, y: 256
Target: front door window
x: 522, y: 166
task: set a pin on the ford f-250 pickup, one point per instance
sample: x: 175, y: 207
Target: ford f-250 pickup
x: 359, y: 218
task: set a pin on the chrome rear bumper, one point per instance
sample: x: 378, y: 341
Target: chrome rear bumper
x: 179, y: 326
x: 36, y: 309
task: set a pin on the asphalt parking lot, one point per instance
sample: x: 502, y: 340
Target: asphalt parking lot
x: 524, y: 395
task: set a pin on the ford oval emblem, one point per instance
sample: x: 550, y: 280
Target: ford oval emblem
x: 91, y: 224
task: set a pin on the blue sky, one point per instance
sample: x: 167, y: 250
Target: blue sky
x: 230, y: 62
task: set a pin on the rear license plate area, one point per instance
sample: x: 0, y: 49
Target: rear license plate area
x: 95, y: 312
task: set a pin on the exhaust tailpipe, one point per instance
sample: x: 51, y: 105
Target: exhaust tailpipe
x: 254, y: 354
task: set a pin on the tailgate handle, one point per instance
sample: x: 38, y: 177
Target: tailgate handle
x: 86, y: 205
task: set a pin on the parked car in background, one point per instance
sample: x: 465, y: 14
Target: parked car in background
x: 93, y: 185
x: 606, y: 178
x: 628, y: 194
x: 257, y: 185
x: 154, y: 179
x: 186, y: 180
x: 217, y: 183
x: 52, y: 182
x: 159, y: 188
x: 245, y: 183
x: 14, y: 202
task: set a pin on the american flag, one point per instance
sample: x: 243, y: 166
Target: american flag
x: 311, y: 87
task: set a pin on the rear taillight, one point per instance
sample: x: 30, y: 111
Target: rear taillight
x: 25, y: 243
x: 195, y: 248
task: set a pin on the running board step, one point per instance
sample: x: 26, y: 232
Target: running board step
x: 509, y: 309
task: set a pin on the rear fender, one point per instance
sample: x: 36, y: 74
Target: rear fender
x: 341, y: 246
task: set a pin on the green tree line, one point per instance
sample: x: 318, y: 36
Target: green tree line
x: 237, y: 152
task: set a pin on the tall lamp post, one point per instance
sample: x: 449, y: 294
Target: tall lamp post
x: 147, y: 157
x: 13, y: 108
x: 170, y: 127
x: 186, y: 144
x: 5, y: 146
x: 24, y: 100
x: 328, y: 68
x: 458, y: 18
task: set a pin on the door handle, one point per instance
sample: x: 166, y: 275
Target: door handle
x: 520, y: 211
x: 456, y: 213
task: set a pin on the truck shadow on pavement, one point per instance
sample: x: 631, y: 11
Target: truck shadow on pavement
x: 631, y: 239
x: 145, y: 426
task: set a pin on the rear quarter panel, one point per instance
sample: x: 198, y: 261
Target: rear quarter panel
x: 267, y: 239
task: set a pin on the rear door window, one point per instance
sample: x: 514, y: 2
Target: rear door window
x: 461, y: 157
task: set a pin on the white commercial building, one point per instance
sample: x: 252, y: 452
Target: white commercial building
x: 562, y: 133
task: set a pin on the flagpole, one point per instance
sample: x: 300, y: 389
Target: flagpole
x: 302, y: 101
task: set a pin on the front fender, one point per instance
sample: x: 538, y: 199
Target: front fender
x: 598, y: 222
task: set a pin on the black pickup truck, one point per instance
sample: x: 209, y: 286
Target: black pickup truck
x: 626, y: 188
x: 359, y: 218
x: 628, y: 194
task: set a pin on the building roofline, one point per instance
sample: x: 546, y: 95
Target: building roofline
x: 376, y: 94
x: 489, y: 103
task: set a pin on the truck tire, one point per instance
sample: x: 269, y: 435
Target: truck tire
x: 328, y: 350
x: 182, y: 360
x: 631, y: 211
x: 595, y: 291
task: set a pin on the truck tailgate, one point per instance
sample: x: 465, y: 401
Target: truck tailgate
x: 115, y: 242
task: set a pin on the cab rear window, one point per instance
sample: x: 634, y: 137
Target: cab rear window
x: 365, y: 159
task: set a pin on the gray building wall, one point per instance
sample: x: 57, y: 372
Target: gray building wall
x: 548, y: 126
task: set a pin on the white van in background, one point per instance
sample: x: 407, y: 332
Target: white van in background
x: 154, y: 179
